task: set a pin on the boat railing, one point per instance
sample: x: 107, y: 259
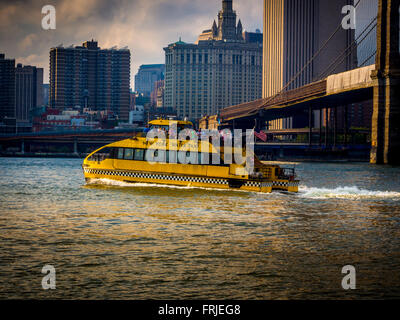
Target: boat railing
x: 287, y: 174
x: 266, y: 171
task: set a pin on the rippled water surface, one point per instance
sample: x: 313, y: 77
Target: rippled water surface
x: 139, y: 242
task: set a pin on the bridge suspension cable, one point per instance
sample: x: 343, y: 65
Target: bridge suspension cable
x: 307, y: 64
x: 367, y: 59
x: 356, y: 43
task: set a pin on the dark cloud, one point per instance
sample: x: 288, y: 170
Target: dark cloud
x: 145, y: 26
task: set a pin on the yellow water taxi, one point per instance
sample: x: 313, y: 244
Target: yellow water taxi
x: 127, y: 161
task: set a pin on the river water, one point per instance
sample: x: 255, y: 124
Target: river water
x: 152, y: 242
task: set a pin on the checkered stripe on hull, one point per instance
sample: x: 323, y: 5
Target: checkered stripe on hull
x: 163, y: 177
x: 258, y: 184
x: 156, y: 176
x: 285, y: 184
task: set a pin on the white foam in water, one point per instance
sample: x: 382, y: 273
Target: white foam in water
x: 117, y: 183
x: 353, y: 193
x: 346, y: 193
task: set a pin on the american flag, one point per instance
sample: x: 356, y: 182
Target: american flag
x: 261, y: 135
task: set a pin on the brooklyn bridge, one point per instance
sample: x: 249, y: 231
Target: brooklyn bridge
x: 327, y: 101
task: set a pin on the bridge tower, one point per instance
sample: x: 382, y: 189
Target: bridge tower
x: 385, y: 136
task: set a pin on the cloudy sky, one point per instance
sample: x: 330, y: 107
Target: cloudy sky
x: 145, y: 26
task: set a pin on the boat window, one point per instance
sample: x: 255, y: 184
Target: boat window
x: 139, y: 154
x: 101, y: 155
x: 113, y: 153
x: 203, y: 158
x: 160, y: 156
x: 120, y: 153
x: 219, y: 162
x: 128, y: 155
x: 163, y: 128
x: 163, y: 155
x: 201, y: 161
x: 156, y: 155
x: 189, y: 158
x: 171, y: 156
x: 183, y: 127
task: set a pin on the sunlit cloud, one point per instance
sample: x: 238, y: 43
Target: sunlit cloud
x: 146, y: 27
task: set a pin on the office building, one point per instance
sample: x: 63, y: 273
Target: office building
x: 7, y: 88
x: 28, y: 91
x: 157, y: 95
x: 253, y: 37
x: 46, y: 91
x: 90, y: 77
x: 294, y: 31
x: 219, y: 70
x: 147, y: 76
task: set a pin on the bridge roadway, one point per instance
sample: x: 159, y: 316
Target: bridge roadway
x: 336, y: 90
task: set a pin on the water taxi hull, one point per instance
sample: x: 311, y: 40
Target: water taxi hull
x: 131, y: 176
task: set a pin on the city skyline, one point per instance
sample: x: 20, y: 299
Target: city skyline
x: 145, y: 27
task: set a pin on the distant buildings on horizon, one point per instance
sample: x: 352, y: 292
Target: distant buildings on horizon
x: 226, y: 66
x: 28, y: 91
x: 89, y: 88
x: 7, y: 88
x: 222, y: 68
x: 21, y: 94
x: 147, y: 76
x: 157, y: 95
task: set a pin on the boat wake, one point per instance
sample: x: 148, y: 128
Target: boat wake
x: 353, y: 193
x: 116, y: 183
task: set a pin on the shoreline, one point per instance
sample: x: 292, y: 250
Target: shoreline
x: 288, y: 160
x: 43, y: 155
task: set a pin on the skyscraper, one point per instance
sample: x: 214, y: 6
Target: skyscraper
x: 157, y: 96
x: 7, y: 87
x: 294, y: 31
x: 219, y: 70
x: 28, y: 91
x: 147, y: 75
x: 88, y: 76
x: 45, y: 94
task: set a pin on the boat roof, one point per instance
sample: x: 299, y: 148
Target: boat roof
x: 165, y: 122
